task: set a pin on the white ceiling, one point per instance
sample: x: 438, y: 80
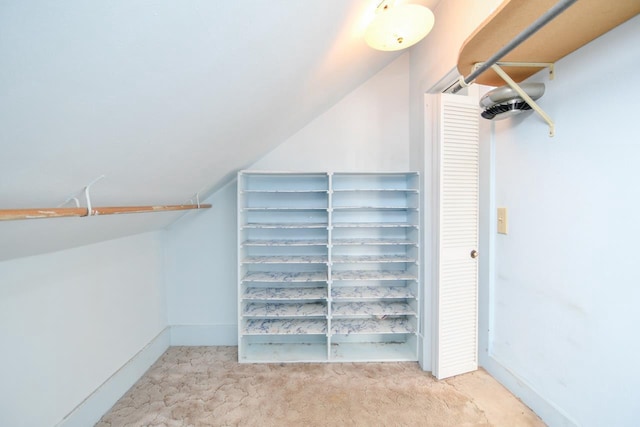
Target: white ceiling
x: 165, y: 98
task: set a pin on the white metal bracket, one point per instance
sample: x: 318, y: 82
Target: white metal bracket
x: 87, y: 196
x: 497, y: 67
x: 195, y: 200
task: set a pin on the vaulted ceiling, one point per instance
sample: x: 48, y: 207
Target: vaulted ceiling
x: 164, y: 98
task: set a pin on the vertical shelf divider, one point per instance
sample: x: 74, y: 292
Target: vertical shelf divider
x: 329, y: 262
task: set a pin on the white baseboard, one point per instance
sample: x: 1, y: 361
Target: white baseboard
x: 104, y: 397
x: 550, y: 413
x: 208, y: 335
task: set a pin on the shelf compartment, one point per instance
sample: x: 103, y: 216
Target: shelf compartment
x: 373, y: 275
x: 375, y: 351
x: 285, y: 294
x: 251, y: 181
x: 400, y: 216
x: 282, y: 191
x: 367, y: 241
x: 372, y: 309
x: 374, y: 208
x: 370, y: 199
x: 285, y: 327
x: 399, y: 325
x: 262, y: 254
x: 360, y: 190
x: 365, y: 259
x: 285, y: 235
x: 374, y: 236
x: 284, y: 200
x: 372, y: 292
x: 345, y: 254
x: 277, y: 225
x: 282, y: 208
x: 284, y: 259
x: 285, y: 277
x: 320, y: 216
x: 289, y: 310
x: 279, y: 242
x: 373, y: 225
x: 270, y: 352
x: 375, y: 181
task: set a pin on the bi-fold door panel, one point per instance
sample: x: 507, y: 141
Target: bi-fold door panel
x: 456, y: 349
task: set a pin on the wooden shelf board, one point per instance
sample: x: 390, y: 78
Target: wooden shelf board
x: 581, y: 23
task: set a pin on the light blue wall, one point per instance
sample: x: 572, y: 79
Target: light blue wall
x: 201, y: 250
x: 558, y: 294
x: 69, y: 320
x: 201, y: 268
x: 564, y: 296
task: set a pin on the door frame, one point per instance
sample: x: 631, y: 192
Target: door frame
x: 486, y: 231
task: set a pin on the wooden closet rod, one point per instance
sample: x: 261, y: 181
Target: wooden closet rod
x: 15, y: 214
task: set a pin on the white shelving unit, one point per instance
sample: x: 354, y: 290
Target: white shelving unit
x: 328, y: 266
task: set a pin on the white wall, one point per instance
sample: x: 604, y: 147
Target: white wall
x: 368, y: 130
x: 70, y: 319
x: 566, y: 286
x: 365, y: 131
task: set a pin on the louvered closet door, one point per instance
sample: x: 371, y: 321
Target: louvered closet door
x: 457, y: 287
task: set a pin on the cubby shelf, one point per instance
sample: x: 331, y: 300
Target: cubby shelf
x: 284, y: 243
x: 269, y: 310
x: 289, y: 276
x: 371, y: 207
x: 373, y: 275
x: 284, y: 259
x: 284, y: 294
x: 398, y: 325
x: 372, y: 292
x: 328, y: 266
x: 284, y: 225
x: 364, y: 259
x: 285, y: 327
x: 372, y: 241
x: 372, y: 225
x: 372, y: 309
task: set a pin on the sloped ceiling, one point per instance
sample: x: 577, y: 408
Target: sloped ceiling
x: 164, y: 98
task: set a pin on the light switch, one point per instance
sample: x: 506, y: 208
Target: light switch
x: 502, y: 220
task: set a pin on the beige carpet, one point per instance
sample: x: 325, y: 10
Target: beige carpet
x: 205, y: 386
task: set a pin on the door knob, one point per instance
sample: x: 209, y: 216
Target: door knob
x: 474, y: 254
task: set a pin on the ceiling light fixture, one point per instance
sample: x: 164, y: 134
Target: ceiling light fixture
x: 398, y: 27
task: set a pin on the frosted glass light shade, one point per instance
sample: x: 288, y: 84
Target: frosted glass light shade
x: 399, y: 27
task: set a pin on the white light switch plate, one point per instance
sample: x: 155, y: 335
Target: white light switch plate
x: 502, y: 220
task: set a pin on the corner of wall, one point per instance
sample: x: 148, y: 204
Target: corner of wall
x: 550, y: 413
x: 90, y: 410
x: 207, y: 335
x: 200, y: 278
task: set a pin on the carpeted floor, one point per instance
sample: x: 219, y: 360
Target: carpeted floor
x: 205, y: 386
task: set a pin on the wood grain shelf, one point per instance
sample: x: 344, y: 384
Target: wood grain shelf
x: 581, y: 23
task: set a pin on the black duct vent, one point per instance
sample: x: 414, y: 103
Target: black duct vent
x: 504, y: 102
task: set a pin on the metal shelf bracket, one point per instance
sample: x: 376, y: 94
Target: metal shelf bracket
x: 497, y: 67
